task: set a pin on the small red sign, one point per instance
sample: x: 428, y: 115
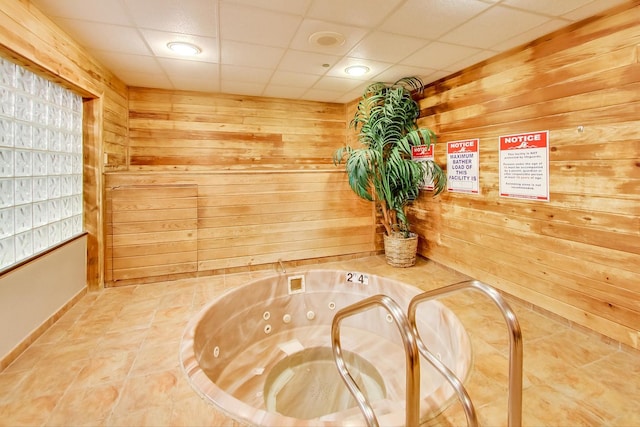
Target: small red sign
x: 422, y: 151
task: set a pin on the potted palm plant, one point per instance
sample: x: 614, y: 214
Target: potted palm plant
x: 381, y: 169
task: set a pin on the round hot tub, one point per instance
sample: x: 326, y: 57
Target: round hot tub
x: 262, y: 353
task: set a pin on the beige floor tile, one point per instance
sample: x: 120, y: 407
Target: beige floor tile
x: 627, y: 419
x: 28, y: 411
x: 544, y: 405
x: 565, y: 350
x: 9, y: 382
x: 143, y: 392
x: 112, y: 360
x: 152, y: 416
x: 116, y: 342
x: 57, y: 332
x: 534, y: 325
x: 105, y: 368
x: 156, y: 358
x: 85, y: 406
x: 173, y: 313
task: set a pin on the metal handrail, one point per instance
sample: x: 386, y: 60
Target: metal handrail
x: 412, y: 354
x: 454, y: 381
x: 515, y: 340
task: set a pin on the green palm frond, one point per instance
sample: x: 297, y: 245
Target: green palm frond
x: 382, y: 169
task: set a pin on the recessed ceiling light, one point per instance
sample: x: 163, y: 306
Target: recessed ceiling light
x: 183, y: 48
x: 357, y: 70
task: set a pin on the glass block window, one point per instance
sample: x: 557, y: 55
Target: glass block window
x: 40, y: 164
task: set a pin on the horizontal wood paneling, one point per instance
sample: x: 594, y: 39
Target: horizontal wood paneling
x: 171, y: 130
x: 241, y: 220
x: 577, y: 255
x: 147, y: 244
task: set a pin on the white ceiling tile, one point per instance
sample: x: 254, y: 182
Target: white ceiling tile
x: 439, y: 55
x: 239, y: 73
x: 294, y: 7
x: 431, y: 18
x: 395, y: 38
x: 386, y: 47
x: 253, y: 55
x: 126, y: 62
x: 470, y: 60
x: 290, y: 79
x: 258, y: 26
x: 199, y: 85
x: 157, y: 41
x: 175, y: 16
x: 242, y: 88
x: 360, y: 13
x: 336, y: 84
x: 308, y: 27
x: 532, y: 34
x: 352, y: 95
x: 108, y: 12
x: 592, y: 8
x: 160, y: 81
x: 192, y: 69
x: 290, y: 92
x: 397, y: 72
x: 306, y: 62
x: 113, y: 38
x: 547, y: 7
x: 494, y: 26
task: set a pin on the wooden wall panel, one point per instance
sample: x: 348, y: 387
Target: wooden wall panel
x: 577, y: 255
x: 244, y: 220
x: 171, y: 130
x: 153, y: 230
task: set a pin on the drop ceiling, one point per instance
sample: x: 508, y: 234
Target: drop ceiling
x: 263, y: 47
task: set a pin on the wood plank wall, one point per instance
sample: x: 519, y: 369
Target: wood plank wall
x: 266, y: 188
x: 190, y: 131
x: 577, y: 255
x: 30, y: 39
x: 170, y: 225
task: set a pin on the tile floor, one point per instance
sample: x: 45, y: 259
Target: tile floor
x: 112, y: 360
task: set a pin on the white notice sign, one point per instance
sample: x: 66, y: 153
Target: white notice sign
x: 463, y: 166
x: 524, y: 166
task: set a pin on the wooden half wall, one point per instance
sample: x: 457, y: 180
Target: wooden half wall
x: 172, y: 225
x: 577, y: 255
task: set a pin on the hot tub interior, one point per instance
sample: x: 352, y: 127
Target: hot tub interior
x: 262, y: 352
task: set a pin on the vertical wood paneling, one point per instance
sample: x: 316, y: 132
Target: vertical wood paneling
x: 577, y: 255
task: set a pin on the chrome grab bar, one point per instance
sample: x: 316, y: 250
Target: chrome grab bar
x: 454, y: 381
x: 515, y: 342
x: 411, y: 349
